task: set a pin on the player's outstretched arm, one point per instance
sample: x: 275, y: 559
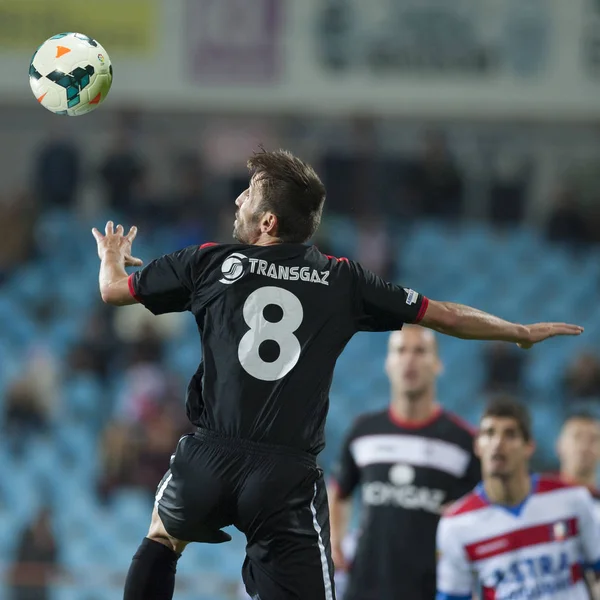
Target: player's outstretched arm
x: 469, y: 323
x: 114, y: 251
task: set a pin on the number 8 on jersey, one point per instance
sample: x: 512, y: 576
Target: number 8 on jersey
x: 261, y: 330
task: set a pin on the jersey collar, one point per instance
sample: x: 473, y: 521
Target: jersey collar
x: 405, y: 424
x: 513, y: 510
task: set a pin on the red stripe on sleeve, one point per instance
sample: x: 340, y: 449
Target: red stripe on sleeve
x: 549, y: 483
x: 422, y: 310
x: 576, y: 573
x: 132, y: 289
x: 523, y: 538
x: 342, y: 259
x: 208, y: 245
x: 488, y: 593
x: 466, y: 504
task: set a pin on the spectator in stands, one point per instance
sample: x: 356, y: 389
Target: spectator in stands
x: 339, y: 178
x: 25, y: 413
x: 41, y: 372
x: 57, y: 171
x: 374, y: 245
x: 508, y: 191
x: 117, y: 451
x: 158, y: 437
x: 351, y: 178
x: 135, y: 326
x: 146, y: 380
x: 567, y: 223
x: 122, y: 172
x: 99, y: 347
x: 36, y: 560
x: 191, y: 209
x: 17, y: 222
x: 504, y: 369
x: 584, y: 177
x: 435, y: 181
x: 31, y: 398
x: 148, y: 348
x: 582, y: 381
x: 145, y: 387
x: 135, y: 454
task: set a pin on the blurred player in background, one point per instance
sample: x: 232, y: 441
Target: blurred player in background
x: 409, y: 460
x: 517, y: 535
x: 274, y: 315
x: 578, y: 449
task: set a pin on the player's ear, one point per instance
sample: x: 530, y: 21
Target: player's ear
x: 268, y: 223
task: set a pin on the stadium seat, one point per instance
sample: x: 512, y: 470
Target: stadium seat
x: 84, y: 398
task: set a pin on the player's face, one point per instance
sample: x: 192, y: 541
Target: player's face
x: 246, y: 228
x: 579, y: 447
x: 501, y: 447
x: 412, y: 362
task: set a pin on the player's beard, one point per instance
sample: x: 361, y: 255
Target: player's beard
x: 239, y: 234
x: 242, y: 231
x: 237, y: 231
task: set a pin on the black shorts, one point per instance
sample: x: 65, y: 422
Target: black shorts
x: 274, y: 495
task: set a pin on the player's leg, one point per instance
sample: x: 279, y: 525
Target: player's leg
x: 151, y: 575
x: 288, y: 555
x: 189, y: 507
x: 158, y: 533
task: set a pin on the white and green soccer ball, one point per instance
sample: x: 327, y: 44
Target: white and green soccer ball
x: 70, y: 74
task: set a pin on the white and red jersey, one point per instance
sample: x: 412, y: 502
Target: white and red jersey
x: 535, y: 551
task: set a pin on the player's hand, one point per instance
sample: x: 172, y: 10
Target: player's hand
x: 543, y: 331
x: 115, y: 241
x: 338, y: 558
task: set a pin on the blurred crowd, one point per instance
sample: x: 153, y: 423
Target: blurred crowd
x: 144, y: 422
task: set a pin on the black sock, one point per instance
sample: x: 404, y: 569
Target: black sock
x: 151, y: 575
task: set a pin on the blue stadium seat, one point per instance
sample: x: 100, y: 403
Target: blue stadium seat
x: 132, y: 508
x: 84, y: 397
x: 70, y: 592
x: 10, y: 530
x: 76, y: 444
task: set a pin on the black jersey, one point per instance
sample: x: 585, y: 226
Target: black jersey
x: 406, y: 473
x: 273, y: 321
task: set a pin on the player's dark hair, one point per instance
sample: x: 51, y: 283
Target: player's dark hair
x: 509, y: 408
x: 291, y: 190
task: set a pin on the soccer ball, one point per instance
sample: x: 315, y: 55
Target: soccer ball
x: 70, y: 74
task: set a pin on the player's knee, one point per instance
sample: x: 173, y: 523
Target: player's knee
x: 158, y: 533
x: 166, y: 540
